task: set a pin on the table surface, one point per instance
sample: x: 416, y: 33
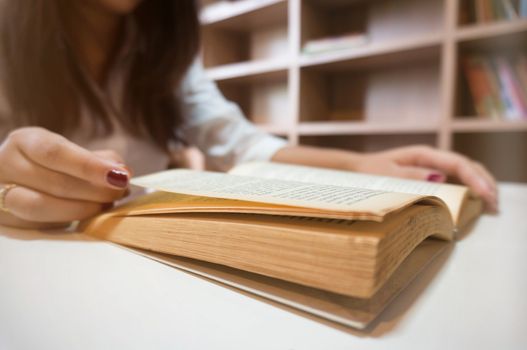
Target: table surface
x: 68, y: 291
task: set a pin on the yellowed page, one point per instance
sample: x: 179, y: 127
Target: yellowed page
x: 161, y: 202
x: 363, y: 202
x: 452, y: 195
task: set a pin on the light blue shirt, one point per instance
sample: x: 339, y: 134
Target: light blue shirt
x: 218, y: 127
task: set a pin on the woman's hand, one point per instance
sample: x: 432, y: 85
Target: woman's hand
x: 427, y: 163
x: 56, y: 180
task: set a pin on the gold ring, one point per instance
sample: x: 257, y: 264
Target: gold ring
x: 3, y: 193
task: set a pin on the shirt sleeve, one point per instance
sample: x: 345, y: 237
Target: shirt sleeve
x: 218, y: 127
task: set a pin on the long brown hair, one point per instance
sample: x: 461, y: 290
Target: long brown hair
x: 45, y: 85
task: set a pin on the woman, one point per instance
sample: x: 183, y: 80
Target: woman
x: 93, y: 88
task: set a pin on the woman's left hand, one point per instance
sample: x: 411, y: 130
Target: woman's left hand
x: 427, y: 163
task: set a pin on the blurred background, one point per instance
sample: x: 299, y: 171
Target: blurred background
x: 370, y: 75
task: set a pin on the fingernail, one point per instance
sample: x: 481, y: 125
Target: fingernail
x: 435, y: 178
x: 117, y: 178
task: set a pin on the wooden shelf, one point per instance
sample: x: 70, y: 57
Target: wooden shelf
x: 405, y: 85
x: 254, y: 31
x: 424, y: 45
x: 335, y: 3
x: 245, y: 71
x: 476, y: 124
x: 363, y: 128
x: 482, y: 31
x: 247, y: 14
x: 280, y: 130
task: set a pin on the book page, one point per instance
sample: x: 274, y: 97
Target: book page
x: 161, y: 202
x: 362, y: 202
x: 452, y: 195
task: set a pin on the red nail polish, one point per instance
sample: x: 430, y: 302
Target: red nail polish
x: 117, y: 178
x: 435, y: 178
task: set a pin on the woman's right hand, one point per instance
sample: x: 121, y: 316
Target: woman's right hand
x: 57, y: 181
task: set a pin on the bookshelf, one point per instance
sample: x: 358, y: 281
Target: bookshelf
x: 404, y: 85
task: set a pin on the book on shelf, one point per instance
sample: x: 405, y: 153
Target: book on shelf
x: 336, y: 244
x: 484, y: 11
x: 511, y: 86
x: 483, y: 87
x: 497, y: 85
x: 336, y: 43
x: 520, y: 66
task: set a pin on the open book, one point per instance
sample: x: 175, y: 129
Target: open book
x: 335, y: 232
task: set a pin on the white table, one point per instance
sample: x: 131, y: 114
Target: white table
x: 67, y: 291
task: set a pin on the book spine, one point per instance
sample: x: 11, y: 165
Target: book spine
x: 511, y: 87
x: 472, y: 12
x: 496, y: 92
x: 521, y: 73
x: 480, y: 10
x: 465, y: 13
x: 488, y: 11
x: 510, y: 11
x: 479, y: 86
x: 498, y: 10
x: 511, y: 113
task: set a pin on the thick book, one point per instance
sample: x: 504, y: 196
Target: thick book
x: 520, y: 66
x: 349, y: 311
x: 330, y: 232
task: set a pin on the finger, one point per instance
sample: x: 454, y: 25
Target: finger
x: 57, y: 153
x: 420, y: 173
x: 34, y: 206
x: 486, y: 174
x: 456, y: 165
x: 469, y: 175
x: 7, y: 219
x: 476, y: 182
x: 109, y: 155
x: 24, y: 172
x: 469, y: 172
x: 492, y: 199
x: 114, y: 157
